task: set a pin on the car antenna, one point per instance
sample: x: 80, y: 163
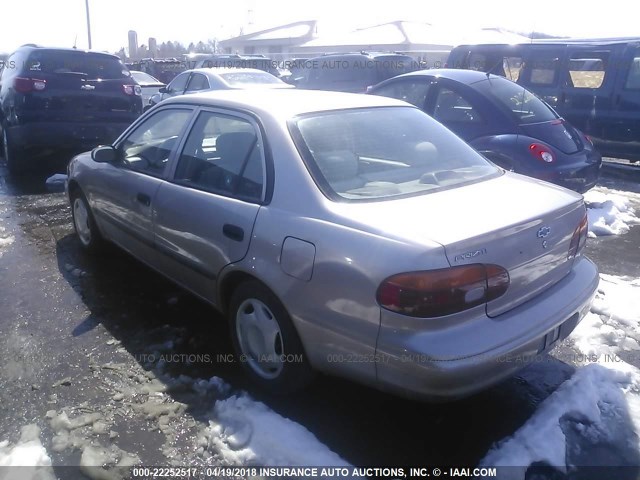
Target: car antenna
x: 75, y: 42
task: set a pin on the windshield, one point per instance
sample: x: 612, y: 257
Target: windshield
x: 526, y: 107
x: 245, y: 78
x: 374, y: 153
x: 92, y: 65
x: 144, y: 78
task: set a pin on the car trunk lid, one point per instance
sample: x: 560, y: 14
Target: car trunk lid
x: 557, y: 133
x: 523, y: 226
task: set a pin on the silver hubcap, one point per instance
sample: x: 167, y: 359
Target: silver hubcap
x: 81, y: 221
x: 260, y: 338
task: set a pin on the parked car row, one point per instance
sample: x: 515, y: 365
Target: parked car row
x: 502, y: 120
x: 595, y: 85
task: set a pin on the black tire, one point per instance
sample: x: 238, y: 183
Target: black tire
x: 13, y: 155
x: 84, y: 223
x: 292, y: 374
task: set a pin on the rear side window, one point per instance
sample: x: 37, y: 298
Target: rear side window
x: 91, y: 65
x: 412, y: 91
x: 524, y: 105
x: 587, y: 69
x: 450, y: 106
x: 543, y: 69
x: 223, y: 155
x: 198, y: 82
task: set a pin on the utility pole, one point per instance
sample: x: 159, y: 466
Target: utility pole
x: 86, y: 2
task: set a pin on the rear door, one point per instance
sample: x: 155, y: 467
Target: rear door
x: 587, y: 85
x: 623, y: 131
x: 204, y: 217
x: 541, y: 72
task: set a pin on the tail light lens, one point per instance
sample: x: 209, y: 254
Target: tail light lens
x: 435, y: 293
x: 579, y: 238
x: 132, y: 89
x: 26, y: 85
x: 542, y: 153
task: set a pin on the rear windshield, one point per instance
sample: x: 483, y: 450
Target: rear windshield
x: 377, y: 153
x: 92, y: 65
x: 248, y: 78
x: 144, y: 78
x: 524, y: 105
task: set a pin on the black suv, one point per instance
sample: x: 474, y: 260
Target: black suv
x: 53, y: 99
x: 352, y: 72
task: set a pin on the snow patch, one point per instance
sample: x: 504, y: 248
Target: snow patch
x: 609, y: 213
x: 598, y: 397
x: 613, y: 325
x: 246, y: 432
x: 28, y: 452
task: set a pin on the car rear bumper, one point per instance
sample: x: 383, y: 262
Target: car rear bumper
x: 579, y: 176
x: 409, y: 366
x: 75, y: 136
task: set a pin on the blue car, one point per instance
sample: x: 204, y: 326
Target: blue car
x: 505, y: 122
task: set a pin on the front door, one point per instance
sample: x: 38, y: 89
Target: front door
x: 127, y: 189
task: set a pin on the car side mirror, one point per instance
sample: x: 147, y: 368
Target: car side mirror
x: 104, y: 154
x: 163, y: 90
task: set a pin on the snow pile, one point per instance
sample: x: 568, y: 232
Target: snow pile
x: 28, y: 452
x: 5, y: 238
x: 613, y: 326
x: 609, y: 214
x: 246, y: 432
x: 598, y: 409
x: 597, y: 401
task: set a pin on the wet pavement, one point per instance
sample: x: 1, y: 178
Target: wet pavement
x: 82, y: 337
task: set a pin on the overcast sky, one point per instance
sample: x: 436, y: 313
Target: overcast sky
x: 63, y: 22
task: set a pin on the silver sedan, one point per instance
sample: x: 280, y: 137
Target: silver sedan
x: 201, y: 80
x: 343, y: 233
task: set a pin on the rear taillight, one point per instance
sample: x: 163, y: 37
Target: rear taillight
x: 542, y: 153
x: 435, y: 293
x: 579, y: 238
x: 26, y: 85
x: 132, y: 89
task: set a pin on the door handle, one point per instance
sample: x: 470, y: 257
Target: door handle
x: 234, y: 232
x: 144, y: 199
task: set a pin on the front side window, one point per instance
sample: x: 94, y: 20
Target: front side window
x: 542, y: 69
x: 412, y: 91
x: 223, y: 155
x: 450, y: 107
x: 198, y: 82
x: 383, y: 152
x: 148, y: 147
x: 179, y: 83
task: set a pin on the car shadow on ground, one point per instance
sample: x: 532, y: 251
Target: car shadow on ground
x: 363, y: 425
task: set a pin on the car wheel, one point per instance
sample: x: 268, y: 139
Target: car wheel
x: 13, y: 156
x: 84, y: 223
x: 266, y: 341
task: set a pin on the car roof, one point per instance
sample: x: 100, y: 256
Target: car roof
x: 219, y: 70
x: 457, y: 75
x: 284, y: 103
x: 34, y: 47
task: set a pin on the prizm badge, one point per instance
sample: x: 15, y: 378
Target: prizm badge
x: 543, y: 232
x: 88, y: 87
x: 466, y: 256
